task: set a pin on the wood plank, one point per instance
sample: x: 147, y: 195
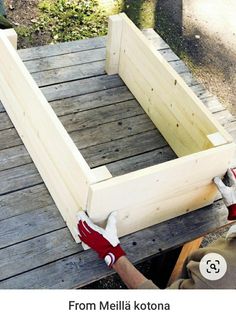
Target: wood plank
x: 91, y: 101
x: 29, y: 225
x: 187, y: 249
x: 113, y: 44
x: 142, y: 161
x: 72, y: 271
x: 5, y: 122
x: 46, y: 248
x: 61, y: 48
x: 168, y: 54
x: 155, y: 39
x: 183, y: 184
x: 49, y: 144
x: 148, y: 92
x: 9, y: 138
x: 18, y: 178
x: 70, y: 59
x: 91, y: 132
x: 120, y: 149
x: 97, y: 155
x: 81, y: 87
x: 14, y: 157
x: 184, y: 142
x: 102, y: 115
x: 12, y: 36
x: 23, y: 201
x: 69, y: 73
x: 179, y: 66
x: 111, y: 131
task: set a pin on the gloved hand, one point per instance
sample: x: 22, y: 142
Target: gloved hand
x: 228, y: 192
x: 104, y: 241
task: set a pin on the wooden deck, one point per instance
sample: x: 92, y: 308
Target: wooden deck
x: 110, y: 128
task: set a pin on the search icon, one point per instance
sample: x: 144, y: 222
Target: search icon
x: 213, y: 266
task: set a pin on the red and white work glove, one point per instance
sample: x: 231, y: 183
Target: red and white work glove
x: 104, y: 241
x: 228, y: 192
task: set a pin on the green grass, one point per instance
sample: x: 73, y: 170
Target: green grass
x: 64, y: 20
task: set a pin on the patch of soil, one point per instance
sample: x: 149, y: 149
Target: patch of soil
x: 21, y: 12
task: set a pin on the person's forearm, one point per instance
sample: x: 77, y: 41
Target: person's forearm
x: 128, y: 273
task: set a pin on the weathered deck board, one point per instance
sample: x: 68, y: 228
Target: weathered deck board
x: 97, y: 155
x: 81, y: 87
x: 23, y: 201
x: 37, y: 249
x: 66, y: 60
x: 62, y: 48
x: 69, y: 73
x: 72, y: 271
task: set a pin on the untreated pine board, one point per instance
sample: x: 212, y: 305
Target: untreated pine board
x: 113, y: 45
x: 24, y: 200
x: 72, y: 271
x: 81, y: 87
x: 71, y: 59
x: 150, y: 89
x: 184, y: 142
x: 140, y: 205
x: 67, y: 184
x: 11, y: 36
x: 61, y: 48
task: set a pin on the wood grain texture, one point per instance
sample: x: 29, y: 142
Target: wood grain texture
x: 81, y: 87
x: 72, y: 271
x: 115, y: 29
x: 70, y: 59
x: 62, y: 48
x: 187, y: 249
x: 160, y: 192
x: 61, y: 165
x: 23, y: 201
x: 163, y: 94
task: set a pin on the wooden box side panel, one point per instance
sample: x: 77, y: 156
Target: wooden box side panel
x: 149, y: 196
x: 175, y: 110
x: 62, y: 167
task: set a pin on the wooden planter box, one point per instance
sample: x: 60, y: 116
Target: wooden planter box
x: 144, y: 197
